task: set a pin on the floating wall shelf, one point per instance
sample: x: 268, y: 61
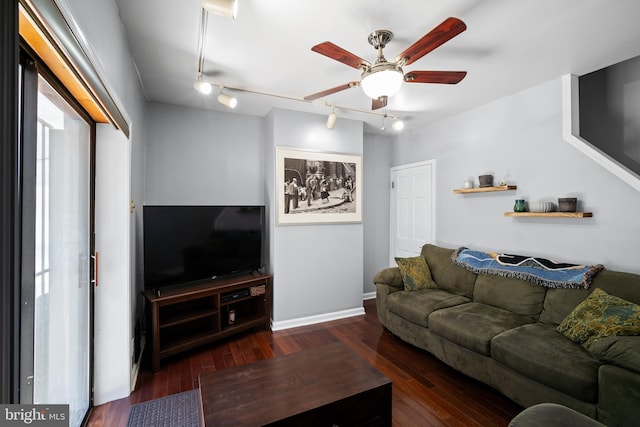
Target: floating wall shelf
x: 551, y: 214
x: 485, y: 189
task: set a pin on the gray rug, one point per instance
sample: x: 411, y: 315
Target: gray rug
x: 176, y: 410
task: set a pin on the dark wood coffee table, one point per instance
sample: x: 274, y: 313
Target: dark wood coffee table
x: 328, y: 385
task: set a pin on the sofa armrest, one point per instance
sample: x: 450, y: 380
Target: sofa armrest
x: 618, y: 396
x: 387, y: 281
x: 618, y: 379
x: 390, y: 277
x: 623, y: 351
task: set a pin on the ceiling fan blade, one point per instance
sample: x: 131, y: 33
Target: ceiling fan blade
x: 441, y: 34
x: 339, y: 54
x: 445, y: 77
x: 378, y: 103
x: 326, y: 92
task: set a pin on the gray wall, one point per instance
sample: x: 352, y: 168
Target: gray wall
x: 375, y: 217
x: 202, y: 157
x: 520, y: 137
x: 317, y: 269
x: 197, y: 156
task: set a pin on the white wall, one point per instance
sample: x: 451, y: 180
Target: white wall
x: 520, y: 137
x: 318, y: 269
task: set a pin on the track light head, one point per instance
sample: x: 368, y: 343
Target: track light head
x: 331, y: 120
x: 227, y: 100
x: 203, y: 87
x: 398, y: 124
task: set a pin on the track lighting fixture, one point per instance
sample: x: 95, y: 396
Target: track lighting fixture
x: 227, y: 8
x: 203, y: 87
x: 331, y: 120
x: 227, y: 100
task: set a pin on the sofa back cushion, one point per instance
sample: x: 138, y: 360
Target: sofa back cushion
x: 515, y: 295
x: 445, y: 273
x: 559, y: 303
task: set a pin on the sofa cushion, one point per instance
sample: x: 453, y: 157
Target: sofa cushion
x: 601, y: 315
x: 445, y: 273
x: 539, y: 352
x: 618, y: 283
x: 415, y: 273
x: 620, y: 351
x: 473, y: 325
x: 416, y: 306
x: 559, y: 303
x: 516, y: 295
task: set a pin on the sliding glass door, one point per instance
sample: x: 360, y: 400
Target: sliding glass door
x: 57, y: 229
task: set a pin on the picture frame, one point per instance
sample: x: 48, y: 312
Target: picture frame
x: 327, y: 187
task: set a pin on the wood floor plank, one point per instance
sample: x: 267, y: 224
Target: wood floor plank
x: 426, y: 392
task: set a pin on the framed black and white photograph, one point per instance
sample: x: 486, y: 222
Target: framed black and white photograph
x: 316, y: 187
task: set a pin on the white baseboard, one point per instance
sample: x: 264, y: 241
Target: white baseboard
x: 311, y: 320
x: 369, y: 295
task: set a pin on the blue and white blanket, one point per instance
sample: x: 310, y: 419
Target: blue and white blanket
x: 542, y: 271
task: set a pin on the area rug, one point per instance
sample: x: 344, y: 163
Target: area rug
x: 182, y: 409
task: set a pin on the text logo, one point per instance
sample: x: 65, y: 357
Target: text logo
x: 34, y: 415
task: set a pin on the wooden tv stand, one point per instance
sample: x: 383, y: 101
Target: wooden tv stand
x: 187, y: 317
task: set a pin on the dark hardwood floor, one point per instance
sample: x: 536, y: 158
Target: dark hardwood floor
x: 426, y: 392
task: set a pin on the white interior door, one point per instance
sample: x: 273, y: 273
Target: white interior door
x: 412, y: 208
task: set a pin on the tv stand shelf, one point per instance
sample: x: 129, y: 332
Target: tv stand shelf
x: 197, y: 314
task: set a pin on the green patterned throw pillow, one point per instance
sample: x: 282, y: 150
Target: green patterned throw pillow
x: 415, y: 273
x: 600, y: 315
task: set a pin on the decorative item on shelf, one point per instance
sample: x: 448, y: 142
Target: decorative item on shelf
x: 468, y: 184
x: 567, y: 204
x: 486, y: 180
x: 232, y: 317
x: 503, y: 182
x: 541, y: 207
x: 520, y: 206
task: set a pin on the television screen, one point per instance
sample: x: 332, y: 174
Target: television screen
x: 190, y: 243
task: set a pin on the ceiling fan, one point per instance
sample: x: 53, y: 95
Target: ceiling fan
x: 383, y: 79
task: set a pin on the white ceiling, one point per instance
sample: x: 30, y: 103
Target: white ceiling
x: 509, y: 45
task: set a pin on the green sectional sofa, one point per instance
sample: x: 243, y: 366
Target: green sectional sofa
x: 503, y: 332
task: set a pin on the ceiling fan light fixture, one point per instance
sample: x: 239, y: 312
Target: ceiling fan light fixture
x: 203, y: 87
x: 226, y: 8
x: 227, y: 100
x: 382, y: 81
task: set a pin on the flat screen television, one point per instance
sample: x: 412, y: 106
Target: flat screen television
x: 185, y: 244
